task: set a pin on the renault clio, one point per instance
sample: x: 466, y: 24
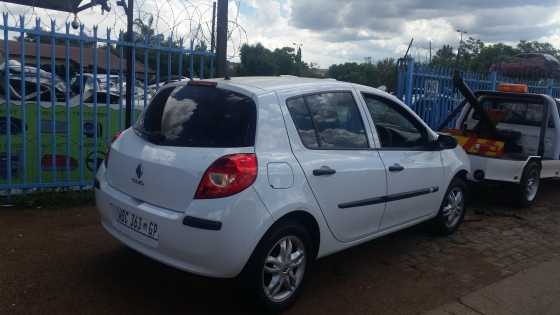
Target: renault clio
x: 256, y: 177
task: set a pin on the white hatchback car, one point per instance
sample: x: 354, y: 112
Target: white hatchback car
x: 257, y: 177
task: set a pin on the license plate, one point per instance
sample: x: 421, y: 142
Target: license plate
x: 137, y: 223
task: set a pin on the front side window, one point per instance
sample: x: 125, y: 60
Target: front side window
x: 395, y: 127
x: 328, y: 121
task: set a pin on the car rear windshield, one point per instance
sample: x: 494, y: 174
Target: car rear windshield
x: 528, y: 113
x: 199, y: 116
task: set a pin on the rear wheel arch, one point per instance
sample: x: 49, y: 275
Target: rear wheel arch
x: 300, y: 226
x: 307, y: 220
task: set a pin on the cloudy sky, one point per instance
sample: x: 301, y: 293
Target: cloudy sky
x: 335, y: 31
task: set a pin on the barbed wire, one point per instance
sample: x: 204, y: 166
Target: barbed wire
x: 178, y: 20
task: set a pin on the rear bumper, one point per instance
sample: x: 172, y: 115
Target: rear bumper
x: 496, y: 169
x: 218, y: 253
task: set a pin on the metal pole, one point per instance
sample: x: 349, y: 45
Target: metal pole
x: 213, y: 40
x: 130, y: 55
x: 430, y: 52
x: 213, y: 36
x: 221, y: 38
x: 409, y: 85
x: 460, y: 50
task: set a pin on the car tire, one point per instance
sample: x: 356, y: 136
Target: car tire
x: 453, y: 208
x: 269, y: 265
x: 528, y: 188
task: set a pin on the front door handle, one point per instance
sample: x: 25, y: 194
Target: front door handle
x: 324, y: 170
x: 396, y: 168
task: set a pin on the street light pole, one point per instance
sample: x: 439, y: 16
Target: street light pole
x: 129, y: 10
x: 298, y: 57
x: 221, y: 39
x: 430, y: 51
x: 461, y: 32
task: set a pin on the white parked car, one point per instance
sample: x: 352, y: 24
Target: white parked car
x: 258, y: 177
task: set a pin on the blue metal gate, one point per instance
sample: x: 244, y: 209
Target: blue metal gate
x: 62, y: 98
x: 430, y: 93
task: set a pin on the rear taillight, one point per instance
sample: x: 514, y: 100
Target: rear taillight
x: 115, y: 137
x: 227, y: 176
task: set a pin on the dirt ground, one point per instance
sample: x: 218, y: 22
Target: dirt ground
x: 63, y: 262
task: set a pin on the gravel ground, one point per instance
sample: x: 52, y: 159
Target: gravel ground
x: 63, y: 262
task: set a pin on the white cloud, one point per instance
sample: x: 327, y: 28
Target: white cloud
x: 339, y: 31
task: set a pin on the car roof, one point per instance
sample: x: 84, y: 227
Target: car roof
x: 261, y: 85
x: 256, y: 86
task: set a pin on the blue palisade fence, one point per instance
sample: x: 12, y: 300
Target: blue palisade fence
x: 62, y: 97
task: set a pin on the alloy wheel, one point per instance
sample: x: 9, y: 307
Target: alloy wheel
x: 284, y: 268
x: 454, y: 207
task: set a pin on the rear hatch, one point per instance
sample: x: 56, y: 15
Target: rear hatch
x: 183, y: 131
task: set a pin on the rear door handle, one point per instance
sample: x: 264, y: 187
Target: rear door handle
x: 396, y: 168
x: 324, y: 170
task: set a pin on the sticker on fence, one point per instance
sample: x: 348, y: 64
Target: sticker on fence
x: 431, y: 88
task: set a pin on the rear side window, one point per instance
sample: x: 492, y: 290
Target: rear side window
x: 328, y: 121
x: 199, y: 116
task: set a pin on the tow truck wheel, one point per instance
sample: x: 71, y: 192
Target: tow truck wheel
x: 528, y: 188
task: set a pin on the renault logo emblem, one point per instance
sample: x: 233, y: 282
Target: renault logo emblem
x: 139, y: 171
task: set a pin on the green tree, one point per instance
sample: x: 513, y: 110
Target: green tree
x: 537, y: 47
x: 383, y: 72
x: 260, y: 61
x: 353, y: 72
x: 285, y: 60
x: 387, y: 73
x: 444, y: 57
x: 492, y: 54
x: 479, y: 57
x: 256, y: 60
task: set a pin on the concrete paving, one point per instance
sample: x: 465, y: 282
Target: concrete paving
x: 533, y: 291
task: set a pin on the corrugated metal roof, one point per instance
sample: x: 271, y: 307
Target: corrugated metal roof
x: 60, y: 54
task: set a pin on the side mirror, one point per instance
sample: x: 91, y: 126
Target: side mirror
x: 447, y: 142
